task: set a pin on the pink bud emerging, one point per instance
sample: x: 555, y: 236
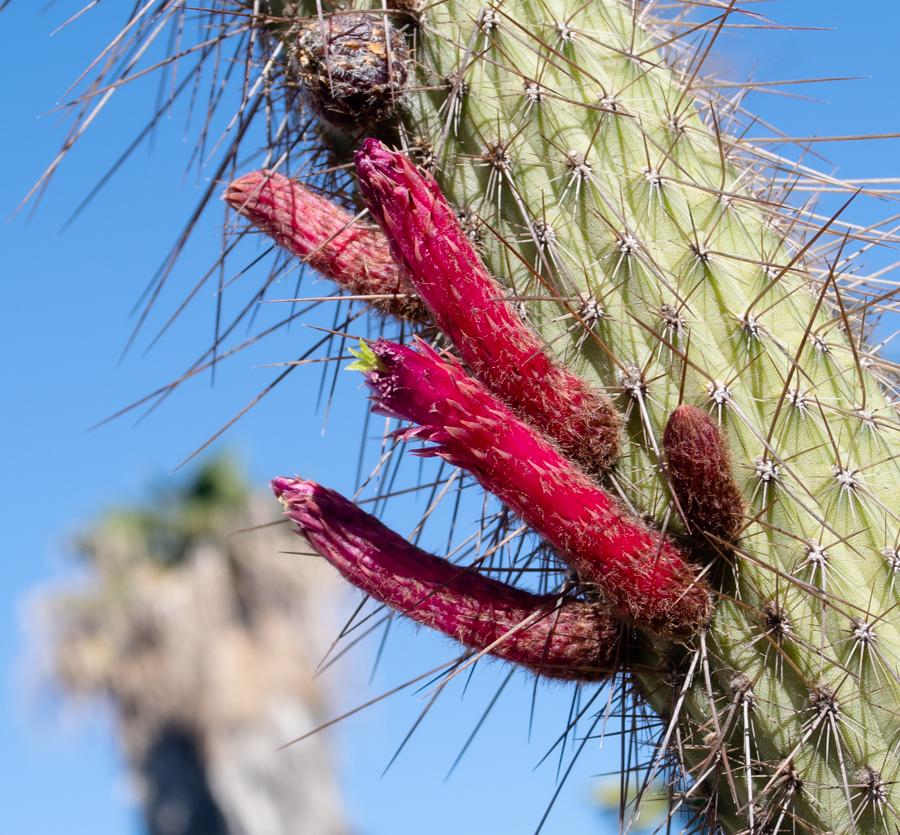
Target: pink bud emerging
x: 356, y: 257
x: 644, y: 576
x: 699, y: 468
x: 566, y: 640
x: 467, y: 305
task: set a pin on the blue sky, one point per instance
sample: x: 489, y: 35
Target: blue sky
x: 66, y: 317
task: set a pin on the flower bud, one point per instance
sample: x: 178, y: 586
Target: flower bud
x: 469, y: 307
x: 645, y: 578
x: 355, y: 256
x: 553, y: 637
x: 699, y: 469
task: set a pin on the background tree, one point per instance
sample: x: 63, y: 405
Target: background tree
x: 205, y: 639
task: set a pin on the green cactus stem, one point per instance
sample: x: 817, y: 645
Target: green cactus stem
x: 596, y: 178
x: 589, y: 160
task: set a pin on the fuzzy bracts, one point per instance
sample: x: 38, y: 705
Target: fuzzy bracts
x: 355, y: 256
x: 644, y: 577
x: 699, y: 469
x: 469, y: 307
x: 552, y: 636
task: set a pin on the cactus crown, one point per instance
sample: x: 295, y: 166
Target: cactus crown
x: 650, y: 248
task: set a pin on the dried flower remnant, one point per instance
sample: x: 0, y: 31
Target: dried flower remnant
x: 353, y: 68
x: 328, y: 238
x: 469, y: 307
x: 550, y: 635
x: 645, y: 578
x: 412, y: 7
x: 700, y: 472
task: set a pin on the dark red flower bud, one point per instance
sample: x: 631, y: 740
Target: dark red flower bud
x: 701, y: 476
x: 563, y: 639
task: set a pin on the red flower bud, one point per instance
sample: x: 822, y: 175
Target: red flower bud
x: 700, y: 473
x: 356, y: 257
x: 563, y: 639
x: 468, y: 306
x: 643, y: 575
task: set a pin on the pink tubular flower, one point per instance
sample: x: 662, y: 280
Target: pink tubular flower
x: 642, y: 575
x: 356, y: 257
x: 701, y: 476
x: 566, y: 639
x: 467, y: 305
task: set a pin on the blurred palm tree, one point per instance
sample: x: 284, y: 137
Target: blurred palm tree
x: 206, y: 643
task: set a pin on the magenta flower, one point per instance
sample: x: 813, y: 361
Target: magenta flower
x: 468, y: 306
x: 355, y: 256
x: 645, y: 578
x: 699, y: 469
x: 554, y: 637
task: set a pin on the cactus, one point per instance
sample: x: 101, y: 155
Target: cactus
x: 639, y: 240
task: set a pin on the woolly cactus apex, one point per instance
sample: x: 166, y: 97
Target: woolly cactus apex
x: 328, y: 238
x: 699, y: 469
x: 644, y: 577
x: 469, y: 306
x: 553, y: 636
x: 352, y: 67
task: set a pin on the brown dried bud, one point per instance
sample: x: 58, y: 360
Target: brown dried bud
x: 353, y: 68
x: 701, y: 476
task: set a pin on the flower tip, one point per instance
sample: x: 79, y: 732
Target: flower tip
x: 367, y: 360
x: 690, y: 428
x: 379, y: 168
x: 287, y: 489
x: 689, y: 414
x: 371, y: 151
x: 239, y: 191
x: 234, y: 194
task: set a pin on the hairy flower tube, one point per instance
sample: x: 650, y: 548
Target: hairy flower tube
x: 355, y: 256
x: 644, y: 577
x: 552, y: 636
x: 469, y: 307
x: 699, y: 469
